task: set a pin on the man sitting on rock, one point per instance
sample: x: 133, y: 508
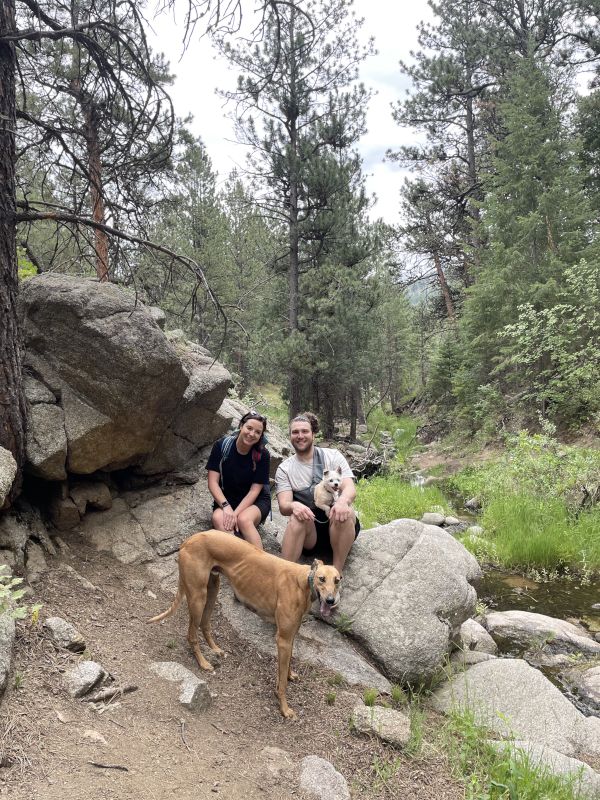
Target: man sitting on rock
x: 309, y: 530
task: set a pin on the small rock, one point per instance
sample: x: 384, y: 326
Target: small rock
x: 277, y: 761
x: 320, y: 779
x: 466, y: 658
x: 473, y: 504
x: 82, y: 678
x: 194, y: 695
x: 35, y: 562
x: 63, y: 634
x: 475, y: 530
x: 94, y: 736
x: 587, y: 682
x: 432, y: 518
x: 451, y: 521
x: 386, y: 723
x: 474, y: 636
x: 151, y: 594
x: 66, y: 569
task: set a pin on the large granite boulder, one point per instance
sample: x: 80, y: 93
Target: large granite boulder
x: 406, y: 591
x: 8, y: 470
x: 517, y: 701
x: 196, y: 422
x: 105, y: 387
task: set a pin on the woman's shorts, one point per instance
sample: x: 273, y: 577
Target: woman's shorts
x: 262, y: 503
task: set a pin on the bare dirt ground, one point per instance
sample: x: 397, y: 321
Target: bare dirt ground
x: 153, y: 748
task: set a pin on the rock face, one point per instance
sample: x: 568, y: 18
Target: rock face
x: 105, y: 387
x: 406, y: 590
x: 8, y: 470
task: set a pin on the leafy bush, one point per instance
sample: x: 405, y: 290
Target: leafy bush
x: 535, y: 464
x: 382, y: 499
x: 11, y: 595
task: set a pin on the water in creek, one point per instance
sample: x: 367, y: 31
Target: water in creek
x: 561, y: 598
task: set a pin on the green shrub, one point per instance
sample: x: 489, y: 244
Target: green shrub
x: 382, y: 499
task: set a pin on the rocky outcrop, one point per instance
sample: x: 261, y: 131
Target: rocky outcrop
x: 105, y: 387
x: 7, y: 638
x: 406, y: 593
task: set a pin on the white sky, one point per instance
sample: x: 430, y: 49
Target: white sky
x: 201, y: 70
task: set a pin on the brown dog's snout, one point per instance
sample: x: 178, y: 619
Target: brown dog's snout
x: 330, y: 600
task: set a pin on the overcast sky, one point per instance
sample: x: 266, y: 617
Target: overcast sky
x: 201, y: 70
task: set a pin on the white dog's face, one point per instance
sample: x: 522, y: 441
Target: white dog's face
x: 332, y: 478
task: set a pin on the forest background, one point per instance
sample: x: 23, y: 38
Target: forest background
x: 480, y: 306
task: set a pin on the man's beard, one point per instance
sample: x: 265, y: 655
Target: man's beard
x: 302, y: 448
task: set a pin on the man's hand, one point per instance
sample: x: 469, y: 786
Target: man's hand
x: 302, y: 512
x: 340, y: 511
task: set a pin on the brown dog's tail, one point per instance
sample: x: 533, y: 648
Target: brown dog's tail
x: 172, y: 608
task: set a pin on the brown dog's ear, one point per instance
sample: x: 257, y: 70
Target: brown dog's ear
x: 316, y: 564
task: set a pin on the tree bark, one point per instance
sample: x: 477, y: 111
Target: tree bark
x: 445, y: 289
x: 294, y: 375
x: 354, y: 396
x: 12, y: 401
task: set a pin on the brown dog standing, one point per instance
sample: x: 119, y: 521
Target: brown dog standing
x: 278, y: 590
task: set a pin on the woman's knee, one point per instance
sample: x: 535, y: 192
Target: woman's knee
x: 217, y: 520
x: 248, y: 519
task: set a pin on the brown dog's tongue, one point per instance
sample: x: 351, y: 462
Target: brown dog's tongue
x: 325, y: 609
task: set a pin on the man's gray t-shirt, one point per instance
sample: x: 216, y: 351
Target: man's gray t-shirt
x: 293, y: 475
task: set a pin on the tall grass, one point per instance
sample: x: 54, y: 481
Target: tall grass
x: 402, y: 430
x: 539, y: 532
x: 489, y: 773
x: 382, y: 499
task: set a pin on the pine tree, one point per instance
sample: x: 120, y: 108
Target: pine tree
x: 298, y: 111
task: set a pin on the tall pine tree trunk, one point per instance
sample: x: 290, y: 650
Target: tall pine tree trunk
x: 96, y: 189
x: 294, y: 374
x: 444, y: 287
x: 354, y: 395
x: 12, y: 402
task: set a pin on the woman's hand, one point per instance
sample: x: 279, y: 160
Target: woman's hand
x: 229, y: 519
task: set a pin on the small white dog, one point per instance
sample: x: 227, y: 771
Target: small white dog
x: 328, y: 491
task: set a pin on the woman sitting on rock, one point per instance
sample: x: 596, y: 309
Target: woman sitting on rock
x: 238, y: 479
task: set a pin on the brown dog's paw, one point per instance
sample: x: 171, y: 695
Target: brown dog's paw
x: 289, y: 713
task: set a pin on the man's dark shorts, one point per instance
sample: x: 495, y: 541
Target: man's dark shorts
x: 323, y: 546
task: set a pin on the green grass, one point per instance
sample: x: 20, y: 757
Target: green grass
x: 384, y: 498
x: 402, y: 430
x: 525, y: 532
x: 489, y: 774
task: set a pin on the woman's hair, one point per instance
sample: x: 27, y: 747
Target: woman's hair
x: 307, y: 416
x: 254, y: 415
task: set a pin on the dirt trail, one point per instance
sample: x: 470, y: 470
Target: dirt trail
x: 162, y: 749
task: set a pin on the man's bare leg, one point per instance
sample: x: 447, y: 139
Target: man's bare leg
x: 341, y: 536
x: 298, y: 534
